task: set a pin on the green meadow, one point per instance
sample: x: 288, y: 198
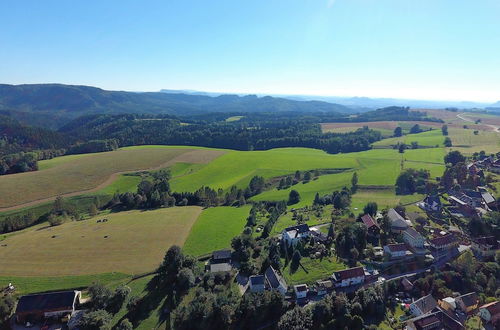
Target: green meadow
x: 429, y: 139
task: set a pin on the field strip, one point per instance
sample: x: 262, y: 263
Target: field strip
x: 185, y: 157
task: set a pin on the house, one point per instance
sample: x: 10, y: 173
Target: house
x: 490, y: 313
x: 348, y: 277
x: 443, y: 243
x: 274, y: 281
x: 431, y: 203
x: 413, y: 238
x: 372, y: 227
x: 292, y: 235
x: 257, y: 283
x: 324, y: 287
x: 394, y: 251
x: 425, y: 322
x: 36, y: 307
x: 300, y: 291
x: 220, y: 261
x: 485, y: 247
x: 476, y: 199
x: 397, y: 222
x: 462, y: 204
x: 468, y: 302
x: 448, y: 304
x: 423, y: 305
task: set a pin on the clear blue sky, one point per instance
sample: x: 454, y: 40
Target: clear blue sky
x: 426, y: 49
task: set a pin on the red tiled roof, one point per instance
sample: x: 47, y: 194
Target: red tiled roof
x: 349, y: 273
x: 368, y: 221
x: 443, y: 240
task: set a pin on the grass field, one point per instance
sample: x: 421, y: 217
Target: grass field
x: 315, y: 269
x: 77, y: 173
x: 215, y: 228
x: 429, y: 139
x: 385, y: 198
x: 136, y: 243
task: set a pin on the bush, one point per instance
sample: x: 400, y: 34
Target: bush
x: 96, y: 320
x: 55, y: 220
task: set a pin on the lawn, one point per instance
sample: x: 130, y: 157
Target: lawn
x: 77, y: 174
x: 385, y: 198
x: 429, y: 138
x: 315, y: 269
x: 215, y: 228
x: 131, y: 242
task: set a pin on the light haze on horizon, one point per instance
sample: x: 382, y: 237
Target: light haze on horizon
x: 413, y: 49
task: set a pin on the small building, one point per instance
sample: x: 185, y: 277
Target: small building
x: 425, y: 322
x: 397, y: 222
x: 274, y: 281
x: 257, y: 283
x: 372, y: 227
x: 485, y: 247
x: 490, y: 313
x: 348, y: 277
x: 468, y: 303
x: 300, y: 291
x: 489, y: 200
x: 294, y: 234
x: 324, y: 287
x: 413, y: 238
x: 406, y: 284
x: 463, y: 204
x: 394, y: 251
x: 476, y: 199
x: 318, y: 236
x: 423, y: 305
x: 448, y: 304
x: 431, y: 203
x: 220, y: 261
x: 36, y: 307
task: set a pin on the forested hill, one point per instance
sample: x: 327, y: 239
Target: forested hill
x: 53, y: 105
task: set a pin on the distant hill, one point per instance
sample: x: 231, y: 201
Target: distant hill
x: 52, y: 105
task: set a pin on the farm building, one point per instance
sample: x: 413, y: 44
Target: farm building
x: 372, y: 227
x: 413, y: 238
x: 442, y: 244
x: 423, y: 305
x: 36, y: 307
x: 220, y: 261
x: 257, y: 283
x: 294, y: 234
x: 425, y: 322
x: 397, y: 222
x: 348, y: 277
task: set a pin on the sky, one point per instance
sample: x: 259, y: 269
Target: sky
x: 417, y: 49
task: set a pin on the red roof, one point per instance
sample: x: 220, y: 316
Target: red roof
x: 349, y: 273
x: 443, y: 240
x: 369, y: 221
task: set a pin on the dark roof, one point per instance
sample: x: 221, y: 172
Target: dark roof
x: 257, y: 279
x: 469, y: 299
x: 473, y: 194
x: 492, y: 307
x: 426, y: 304
x: 430, y: 199
x: 487, y: 240
x: 47, y: 302
x: 300, y: 287
x: 349, y: 273
x: 273, y: 278
x: 413, y: 233
x: 221, y: 254
x: 303, y: 228
x: 426, y: 321
x: 397, y: 247
x: 369, y: 221
x: 396, y: 219
x: 443, y: 240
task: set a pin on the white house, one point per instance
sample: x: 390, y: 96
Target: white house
x: 274, y: 281
x: 413, y: 238
x: 394, y: 251
x: 300, y: 291
x: 348, y: 277
x: 294, y: 234
x: 257, y: 283
x: 423, y: 305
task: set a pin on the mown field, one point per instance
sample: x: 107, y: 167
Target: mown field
x: 431, y: 138
x: 79, y: 173
x: 215, y: 228
x: 131, y: 242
